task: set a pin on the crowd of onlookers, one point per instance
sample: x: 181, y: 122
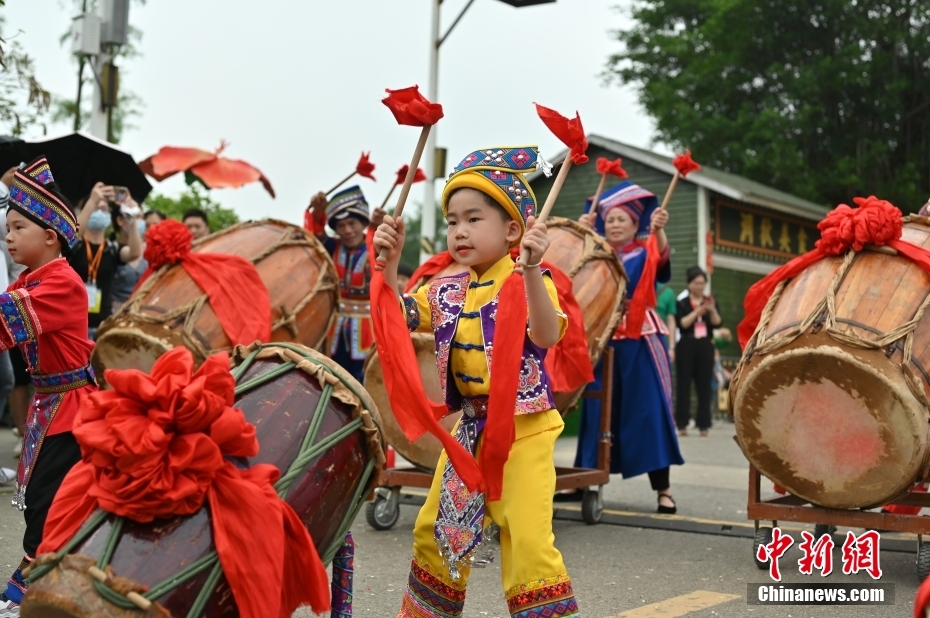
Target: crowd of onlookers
x: 108, y: 257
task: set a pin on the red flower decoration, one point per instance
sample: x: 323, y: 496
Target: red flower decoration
x: 875, y: 222
x: 685, y: 164
x: 412, y: 108
x: 615, y: 168
x: 569, y: 131
x: 364, y: 167
x: 418, y: 176
x: 167, y: 242
x: 156, y: 441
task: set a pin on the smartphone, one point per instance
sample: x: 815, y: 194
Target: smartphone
x: 122, y: 193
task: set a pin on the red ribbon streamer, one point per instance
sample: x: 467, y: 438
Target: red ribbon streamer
x: 157, y: 446
x: 645, y: 294
x: 225, y: 279
x: 567, y: 362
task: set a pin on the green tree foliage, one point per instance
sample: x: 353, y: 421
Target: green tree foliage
x: 23, y: 100
x: 826, y: 100
x: 193, y: 197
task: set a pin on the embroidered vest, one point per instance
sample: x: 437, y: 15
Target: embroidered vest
x: 446, y: 297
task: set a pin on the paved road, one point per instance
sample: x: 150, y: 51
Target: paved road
x: 626, y: 566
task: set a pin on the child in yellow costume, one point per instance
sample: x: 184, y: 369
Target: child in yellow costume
x: 489, y: 209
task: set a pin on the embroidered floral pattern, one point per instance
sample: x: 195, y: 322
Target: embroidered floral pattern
x: 412, y: 312
x: 429, y: 597
x: 548, y: 598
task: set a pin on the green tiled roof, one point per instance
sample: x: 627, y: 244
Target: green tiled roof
x: 724, y: 183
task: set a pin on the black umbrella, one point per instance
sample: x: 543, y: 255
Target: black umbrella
x: 13, y: 151
x: 79, y: 161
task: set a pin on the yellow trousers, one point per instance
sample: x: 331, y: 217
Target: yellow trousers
x: 533, y: 573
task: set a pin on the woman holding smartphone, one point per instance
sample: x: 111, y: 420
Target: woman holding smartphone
x: 697, y: 316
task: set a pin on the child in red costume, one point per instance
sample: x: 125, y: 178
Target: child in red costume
x: 39, y: 313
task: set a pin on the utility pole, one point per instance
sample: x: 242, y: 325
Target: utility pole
x: 95, y: 39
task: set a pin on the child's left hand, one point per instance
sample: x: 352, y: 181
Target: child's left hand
x: 535, y: 242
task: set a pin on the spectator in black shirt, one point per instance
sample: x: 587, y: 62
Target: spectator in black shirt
x: 697, y: 317
x: 95, y: 258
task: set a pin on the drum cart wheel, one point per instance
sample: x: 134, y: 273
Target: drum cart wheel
x: 763, y: 537
x: 384, y: 511
x: 592, y: 505
x: 791, y: 508
x: 923, y: 559
x: 592, y: 480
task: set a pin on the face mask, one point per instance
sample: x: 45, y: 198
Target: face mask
x: 98, y: 221
x: 140, y: 225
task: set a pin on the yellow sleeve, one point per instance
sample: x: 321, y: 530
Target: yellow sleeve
x: 416, y: 311
x: 554, y: 297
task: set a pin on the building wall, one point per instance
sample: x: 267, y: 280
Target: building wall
x: 682, y: 227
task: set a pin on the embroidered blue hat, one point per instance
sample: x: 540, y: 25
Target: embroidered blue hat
x: 346, y: 203
x: 633, y: 199
x: 35, y: 195
x: 498, y: 172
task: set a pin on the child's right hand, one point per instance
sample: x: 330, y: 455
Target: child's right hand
x: 390, y: 236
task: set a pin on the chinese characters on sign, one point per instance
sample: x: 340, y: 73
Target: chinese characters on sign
x: 860, y: 553
x: 755, y: 232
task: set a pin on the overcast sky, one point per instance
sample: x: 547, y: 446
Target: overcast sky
x: 295, y: 86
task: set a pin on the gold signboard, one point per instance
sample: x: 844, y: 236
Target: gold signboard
x: 756, y: 232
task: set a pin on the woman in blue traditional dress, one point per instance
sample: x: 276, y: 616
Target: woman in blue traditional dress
x: 643, y: 438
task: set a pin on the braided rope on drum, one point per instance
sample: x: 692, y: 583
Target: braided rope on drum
x: 824, y: 315
x: 309, y: 450
x: 189, y: 313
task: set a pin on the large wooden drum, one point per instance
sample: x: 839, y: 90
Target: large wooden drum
x: 424, y: 451
x: 169, y: 309
x: 599, y: 285
x: 292, y: 395
x: 831, y: 397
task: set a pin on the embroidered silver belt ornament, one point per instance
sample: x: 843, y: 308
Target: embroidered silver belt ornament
x: 459, y: 528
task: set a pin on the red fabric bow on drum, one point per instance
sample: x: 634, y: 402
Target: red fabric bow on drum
x: 876, y: 222
x: 225, y: 279
x: 158, y: 446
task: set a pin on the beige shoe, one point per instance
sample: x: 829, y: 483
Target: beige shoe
x: 15, y: 431
x: 18, y: 450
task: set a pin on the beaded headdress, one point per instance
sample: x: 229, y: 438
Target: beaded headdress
x: 633, y: 199
x: 498, y: 172
x: 32, y: 195
x: 347, y: 202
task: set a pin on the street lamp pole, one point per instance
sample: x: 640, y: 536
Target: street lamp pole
x: 428, y: 215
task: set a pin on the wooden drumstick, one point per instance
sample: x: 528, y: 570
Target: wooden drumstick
x: 342, y: 182
x: 550, y: 201
x: 597, y: 194
x: 671, y: 189
x: 408, y: 182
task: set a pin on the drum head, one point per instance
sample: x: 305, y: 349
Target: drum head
x: 424, y: 451
x: 830, y: 427
x: 132, y: 348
